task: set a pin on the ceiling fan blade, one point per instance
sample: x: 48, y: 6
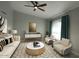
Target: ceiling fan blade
x: 41, y: 9
x: 36, y: 2
x: 33, y: 3
x: 42, y: 5
x: 34, y: 9
x: 28, y: 6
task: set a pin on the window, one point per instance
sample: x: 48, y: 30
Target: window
x: 56, y: 29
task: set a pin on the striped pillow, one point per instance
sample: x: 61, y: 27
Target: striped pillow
x: 6, y: 41
x: 11, y: 40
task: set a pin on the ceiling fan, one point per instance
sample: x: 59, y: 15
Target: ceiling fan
x: 36, y: 5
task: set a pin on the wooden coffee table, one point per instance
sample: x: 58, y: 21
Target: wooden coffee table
x: 31, y: 50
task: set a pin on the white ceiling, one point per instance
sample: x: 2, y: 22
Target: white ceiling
x: 53, y: 8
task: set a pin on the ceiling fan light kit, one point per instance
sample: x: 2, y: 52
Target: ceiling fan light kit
x: 36, y: 5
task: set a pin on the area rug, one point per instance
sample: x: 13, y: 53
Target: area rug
x: 49, y: 52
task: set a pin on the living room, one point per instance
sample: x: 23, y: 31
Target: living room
x: 26, y: 25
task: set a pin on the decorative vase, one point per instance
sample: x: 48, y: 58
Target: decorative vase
x: 35, y: 44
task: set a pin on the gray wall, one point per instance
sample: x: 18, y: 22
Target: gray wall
x: 74, y: 30
x: 5, y: 6
x: 21, y: 23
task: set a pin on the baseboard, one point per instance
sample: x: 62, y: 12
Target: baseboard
x: 76, y: 53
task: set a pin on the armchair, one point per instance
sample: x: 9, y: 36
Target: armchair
x: 48, y: 40
x: 62, y: 46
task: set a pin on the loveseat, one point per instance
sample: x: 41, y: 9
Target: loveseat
x: 9, y: 49
x: 62, y: 46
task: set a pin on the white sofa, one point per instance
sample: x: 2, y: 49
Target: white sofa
x: 9, y: 49
x: 62, y: 46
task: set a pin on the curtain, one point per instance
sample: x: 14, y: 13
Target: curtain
x: 50, y: 27
x: 65, y: 27
x: 56, y: 29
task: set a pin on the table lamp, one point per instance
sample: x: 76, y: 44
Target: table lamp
x: 14, y: 32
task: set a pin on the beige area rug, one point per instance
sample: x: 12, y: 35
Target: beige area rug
x: 49, y: 52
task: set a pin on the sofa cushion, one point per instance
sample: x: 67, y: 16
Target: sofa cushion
x: 4, y: 56
x: 59, y: 48
x: 65, y: 42
x: 14, y: 44
x: 9, y: 49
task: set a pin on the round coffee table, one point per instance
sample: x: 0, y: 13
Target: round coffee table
x: 31, y: 50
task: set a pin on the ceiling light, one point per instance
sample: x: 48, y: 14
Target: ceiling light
x: 35, y: 7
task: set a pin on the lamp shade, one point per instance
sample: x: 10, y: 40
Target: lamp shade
x: 14, y: 31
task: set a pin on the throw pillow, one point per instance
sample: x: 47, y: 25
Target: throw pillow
x: 1, y: 46
x: 3, y: 42
x: 65, y: 41
x: 11, y: 40
x: 6, y: 40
